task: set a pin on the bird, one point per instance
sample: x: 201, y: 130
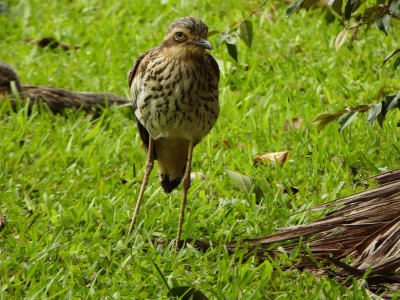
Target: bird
x: 8, y: 75
x: 56, y: 99
x: 174, y: 89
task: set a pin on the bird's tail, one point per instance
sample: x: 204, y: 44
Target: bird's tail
x: 171, y: 155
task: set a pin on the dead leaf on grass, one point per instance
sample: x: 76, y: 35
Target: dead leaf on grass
x: 198, y: 175
x: 295, y: 122
x: 277, y: 157
x: 224, y: 142
x: 240, y: 146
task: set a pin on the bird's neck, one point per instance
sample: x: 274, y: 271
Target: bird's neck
x: 184, y: 53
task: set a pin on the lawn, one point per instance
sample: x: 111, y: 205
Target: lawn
x: 68, y: 184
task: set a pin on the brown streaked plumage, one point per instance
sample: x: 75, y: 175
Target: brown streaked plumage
x: 56, y: 99
x: 174, y: 89
x: 8, y: 75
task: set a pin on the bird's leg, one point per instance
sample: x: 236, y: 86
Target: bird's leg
x: 149, y: 167
x: 185, y: 188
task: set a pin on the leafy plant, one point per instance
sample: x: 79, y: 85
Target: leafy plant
x: 346, y: 116
x: 242, y: 30
x: 381, y: 14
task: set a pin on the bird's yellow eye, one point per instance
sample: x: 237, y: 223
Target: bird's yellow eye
x: 180, y: 36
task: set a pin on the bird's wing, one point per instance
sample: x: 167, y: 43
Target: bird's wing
x: 141, y: 61
x: 138, y: 67
x: 213, y: 63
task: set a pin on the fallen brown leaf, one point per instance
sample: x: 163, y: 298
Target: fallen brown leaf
x: 277, y: 157
x: 225, y: 142
x: 295, y: 122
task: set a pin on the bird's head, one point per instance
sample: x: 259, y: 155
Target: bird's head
x: 7, y: 75
x: 187, y: 37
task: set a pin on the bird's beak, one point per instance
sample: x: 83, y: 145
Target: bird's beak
x: 202, y: 43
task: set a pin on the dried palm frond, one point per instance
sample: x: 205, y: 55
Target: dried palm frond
x: 360, y: 236
x: 363, y: 228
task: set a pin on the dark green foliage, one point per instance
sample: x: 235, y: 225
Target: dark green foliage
x: 246, y: 32
x: 295, y: 6
x: 347, y: 116
x: 392, y: 54
x: 232, y: 50
x: 384, y: 23
x: 346, y: 119
x: 394, y: 7
x: 237, y: 31
x: 230, y: 41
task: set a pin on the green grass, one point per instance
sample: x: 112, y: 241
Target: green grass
x: 68, y: 185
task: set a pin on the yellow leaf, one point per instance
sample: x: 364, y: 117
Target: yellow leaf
x: 341, y: 38
x: 277, y: 157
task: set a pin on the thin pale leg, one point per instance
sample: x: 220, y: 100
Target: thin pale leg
x: 149, y: 167
x: 185, y: 188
